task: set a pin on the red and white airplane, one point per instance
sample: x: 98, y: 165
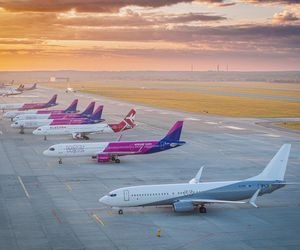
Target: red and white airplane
x: 27, y: 106
x: 80, y: 131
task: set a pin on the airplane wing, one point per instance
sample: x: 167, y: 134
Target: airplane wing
x: 206, y: 201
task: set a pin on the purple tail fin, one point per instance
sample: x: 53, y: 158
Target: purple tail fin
x: 174, y: 133
x: 97, y: 114
x: 72, y: 108
x: 89, y: 110
x: 52, y: 100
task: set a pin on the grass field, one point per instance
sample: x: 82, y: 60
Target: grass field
x: 291, y: 125
x: 217, y: 104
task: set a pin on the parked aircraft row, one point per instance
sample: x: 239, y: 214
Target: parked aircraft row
x: 8, y: 90
x: 183, y: 197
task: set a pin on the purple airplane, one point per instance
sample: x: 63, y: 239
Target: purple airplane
x: 110, y: 151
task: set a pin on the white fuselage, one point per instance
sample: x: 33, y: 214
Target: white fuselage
x: 149, y: 194
x: 30, y: 123
x: 73, y: 129
x: 32, y: 116
x: 7, y: 106
x: 13, y: 114
x: 76, y: 149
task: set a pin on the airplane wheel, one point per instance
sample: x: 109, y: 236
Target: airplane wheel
x: 113, y: 158
x: 202, y: 210
x: 117, y: 161
x: 60, y: 161
x: 120, y: 211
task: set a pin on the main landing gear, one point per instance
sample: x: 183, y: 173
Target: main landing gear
x: 45, y: 138
x: 59, y: 161
x: 120, y: 211
x: 115, y: 159
x: 202, y: 209
x: 22, y: 130
x: 85, y: 137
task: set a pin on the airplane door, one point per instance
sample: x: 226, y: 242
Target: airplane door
x: 126, y: 195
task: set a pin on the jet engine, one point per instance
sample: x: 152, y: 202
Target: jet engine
x: 183, y: 206
x: 103, y: 157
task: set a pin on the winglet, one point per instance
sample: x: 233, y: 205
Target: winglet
x: 196, y: 179
x: 253, y: 198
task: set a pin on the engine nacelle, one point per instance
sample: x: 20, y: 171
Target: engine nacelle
x: 103, y: 157
x: 183, y: 206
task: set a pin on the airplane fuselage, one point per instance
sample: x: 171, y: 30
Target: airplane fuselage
x: 115, y: 148
x: 168, y: 194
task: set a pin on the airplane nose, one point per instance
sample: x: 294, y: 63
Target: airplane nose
x: 14, y: 125
x: 103, y: 199
x: 46, y: 152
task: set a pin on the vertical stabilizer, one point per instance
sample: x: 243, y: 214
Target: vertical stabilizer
x: 72, y: 108
x: 53, y: 100
x: 276, y: 168
x: 97, y: 114
x: 174, y: 133
x: 89, y: 110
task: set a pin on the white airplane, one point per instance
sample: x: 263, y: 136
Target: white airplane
x: 35, y: 123
x: 80, y: 131
x: 185, y: 197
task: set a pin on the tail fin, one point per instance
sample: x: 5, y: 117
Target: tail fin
x: 34, y: 86
x: 174, y: 133
x: 275, y: 170
x: 20, y: 88
x: 72, y: 108
x: 97, y: 114
x: 89, y: 109
x: 53, y: 100
x: 126, y: 123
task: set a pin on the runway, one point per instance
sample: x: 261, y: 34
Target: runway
x: 44, y: 205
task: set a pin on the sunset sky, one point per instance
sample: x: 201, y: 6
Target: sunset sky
x: 149, y: 34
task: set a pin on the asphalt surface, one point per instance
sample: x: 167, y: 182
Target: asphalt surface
x: 44, y: 205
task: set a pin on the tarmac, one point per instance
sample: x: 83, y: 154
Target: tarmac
x: 44, y: 205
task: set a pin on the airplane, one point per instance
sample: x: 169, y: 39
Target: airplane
x: 34, y: 86
x: 80, y: 131
x: 3, y: 85
x: 62, y: 115
x: 185, y: 197
x: 110, y: 151
x: 26, y: 106
x: 11, y: 91
x: 69, y: 89
x: 95, y: 118
x: 71, y: 109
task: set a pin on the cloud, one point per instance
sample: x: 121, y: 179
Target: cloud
x: 285, y: 16
x: 108, y: 6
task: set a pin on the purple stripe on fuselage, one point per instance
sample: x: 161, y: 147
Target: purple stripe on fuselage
x: 133, y: 147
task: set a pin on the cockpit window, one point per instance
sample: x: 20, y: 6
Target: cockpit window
x: 51, y: 149
x: 113, y: 195
x: 39, y: 129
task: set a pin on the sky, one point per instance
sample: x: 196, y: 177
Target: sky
x: 167, y: 35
